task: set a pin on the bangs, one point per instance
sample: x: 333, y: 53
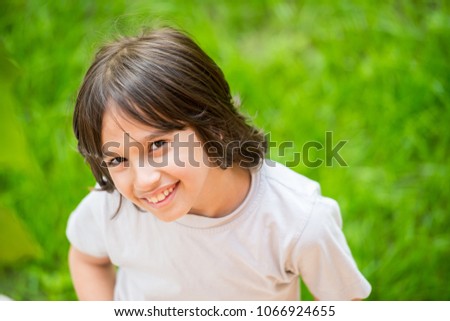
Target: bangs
x: 148, y: 99
x: 148, y: 112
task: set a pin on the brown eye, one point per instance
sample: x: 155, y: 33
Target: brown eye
x: 157, y: 145
x: 115, y: 161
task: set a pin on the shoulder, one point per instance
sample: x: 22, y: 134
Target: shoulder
x: 289, y: 199
x: 280, y: 177
x: 100, y: 202
x: 295, y: 202
x: 89, y: 222
x: 289, y: 191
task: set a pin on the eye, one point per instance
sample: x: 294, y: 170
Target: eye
x: 115, y: 161
x: 157, y: 145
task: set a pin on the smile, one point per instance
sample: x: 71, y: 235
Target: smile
x: 160, y: 197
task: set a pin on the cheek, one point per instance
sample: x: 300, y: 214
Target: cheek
x: 121, y: 181
x: 192, y: 169
x: 192, y: 157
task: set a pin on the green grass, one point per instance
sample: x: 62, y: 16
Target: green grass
x: 374, y: 73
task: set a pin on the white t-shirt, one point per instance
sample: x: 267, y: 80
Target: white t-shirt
x: 284, y: 229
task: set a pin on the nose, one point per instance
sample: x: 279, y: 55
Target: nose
x: 146, y: 177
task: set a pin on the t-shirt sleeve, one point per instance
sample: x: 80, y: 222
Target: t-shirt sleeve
x: 84, y: 228
x: 324, y: 260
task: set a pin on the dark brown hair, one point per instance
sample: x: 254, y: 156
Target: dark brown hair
x: 165, y: 80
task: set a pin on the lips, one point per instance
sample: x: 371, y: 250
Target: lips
x: 159, y: 197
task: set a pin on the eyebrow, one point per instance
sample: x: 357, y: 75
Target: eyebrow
x: 155, y: 134
x: 150, y: 137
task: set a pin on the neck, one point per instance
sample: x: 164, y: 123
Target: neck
x: 226, y: 190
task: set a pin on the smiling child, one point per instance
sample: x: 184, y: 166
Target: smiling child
x: 186, y: 206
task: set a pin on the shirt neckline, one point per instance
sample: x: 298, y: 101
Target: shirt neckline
x: 246, y: 207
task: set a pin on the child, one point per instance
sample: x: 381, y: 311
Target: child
x: 186, y: 207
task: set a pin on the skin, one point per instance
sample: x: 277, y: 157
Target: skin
x: 196, y: 188
x: 93, y: 277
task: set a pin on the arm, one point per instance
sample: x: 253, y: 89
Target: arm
x: 93, y: 278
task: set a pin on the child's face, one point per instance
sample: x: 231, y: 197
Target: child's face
x: 165, y: 173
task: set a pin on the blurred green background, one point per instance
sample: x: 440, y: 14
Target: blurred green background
x: 375, y: 73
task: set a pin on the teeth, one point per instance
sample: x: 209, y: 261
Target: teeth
x: 161, y: 196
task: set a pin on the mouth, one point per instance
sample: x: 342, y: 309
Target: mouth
x: 162, y: 197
